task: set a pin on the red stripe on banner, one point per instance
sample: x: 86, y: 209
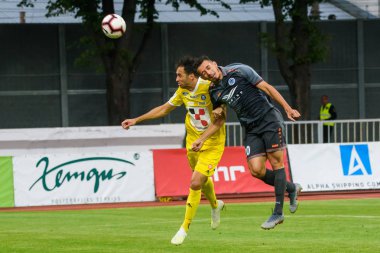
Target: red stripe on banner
x: 172, y: 173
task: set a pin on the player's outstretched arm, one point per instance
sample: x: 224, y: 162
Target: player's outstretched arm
x: 273, y: 93
x: 155, y: 113
x: 211, y: 130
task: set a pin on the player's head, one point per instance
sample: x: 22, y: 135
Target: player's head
x: 208, y: 69
x: 324, y: 99
x: 186, y: 73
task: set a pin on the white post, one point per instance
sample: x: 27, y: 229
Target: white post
x: 320, y: 132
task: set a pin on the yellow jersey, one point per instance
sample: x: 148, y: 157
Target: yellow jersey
x: 199, y: 114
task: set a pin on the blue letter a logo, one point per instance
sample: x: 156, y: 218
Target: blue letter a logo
x: 355, y: 160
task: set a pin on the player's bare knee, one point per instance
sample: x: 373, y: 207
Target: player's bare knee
x: 257, y: 166
x: 276, y: 160
x: 256, y: 170
x: 276, y: 163
x: 255, y: 174
x: 196, y: 185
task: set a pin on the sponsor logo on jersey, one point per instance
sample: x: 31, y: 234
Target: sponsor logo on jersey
x: 203, y: 97
x: 185, y: 93
x: 355, y: 160
x: 229, y: 95
x: 231, y: 81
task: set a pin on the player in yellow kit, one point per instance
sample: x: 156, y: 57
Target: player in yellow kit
x: 204, y: 141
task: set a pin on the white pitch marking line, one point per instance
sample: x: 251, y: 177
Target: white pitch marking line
x: 260, y: 217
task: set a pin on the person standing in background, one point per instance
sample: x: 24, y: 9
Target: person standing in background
x: 327, y: 112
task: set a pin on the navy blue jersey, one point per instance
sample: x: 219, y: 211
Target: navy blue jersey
x: 238, y: 90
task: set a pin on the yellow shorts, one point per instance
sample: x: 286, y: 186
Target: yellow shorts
x: 205, y: 161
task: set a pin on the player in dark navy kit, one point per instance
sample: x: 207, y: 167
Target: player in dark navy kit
x: 241, y: 88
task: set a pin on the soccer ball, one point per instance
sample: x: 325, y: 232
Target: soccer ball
x: 113, y: 26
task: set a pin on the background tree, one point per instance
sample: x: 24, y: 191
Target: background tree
x: 120, y: 57
x: 297, y: 44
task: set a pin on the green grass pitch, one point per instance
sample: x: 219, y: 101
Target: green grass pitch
x: 318, y: 226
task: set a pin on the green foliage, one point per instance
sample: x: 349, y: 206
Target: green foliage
x: 286, y: 5
x: 89, y: 56
x: 85, y: 10
x: 348, y: 226
x: 198, y: 6
x: 88, y: 10
x: 318, y: 45
x: 91, y: 13
x: 317, y: 41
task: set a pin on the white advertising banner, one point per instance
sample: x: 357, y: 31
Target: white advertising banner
x: 335, y: 167
x: 66, y: 179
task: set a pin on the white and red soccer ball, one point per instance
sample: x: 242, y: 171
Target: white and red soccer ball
x: 113, y: 26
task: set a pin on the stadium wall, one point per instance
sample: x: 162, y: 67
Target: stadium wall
x: 56, y: 166
x: 232, y: 176
x: 336, y: 167
x: 65, y: 166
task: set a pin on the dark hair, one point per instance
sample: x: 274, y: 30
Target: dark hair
x: 199, y: 60
x: 187, y: 62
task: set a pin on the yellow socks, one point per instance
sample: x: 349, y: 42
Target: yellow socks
x: 194, y: 199
x: 209, y: 192
x: 192, y: 204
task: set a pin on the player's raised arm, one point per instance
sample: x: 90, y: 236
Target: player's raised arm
x: 273, y: 93
x: 211, y: 130
x: 155, y: 113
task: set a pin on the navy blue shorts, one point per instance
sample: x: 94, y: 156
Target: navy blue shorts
x: 268, y: 136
